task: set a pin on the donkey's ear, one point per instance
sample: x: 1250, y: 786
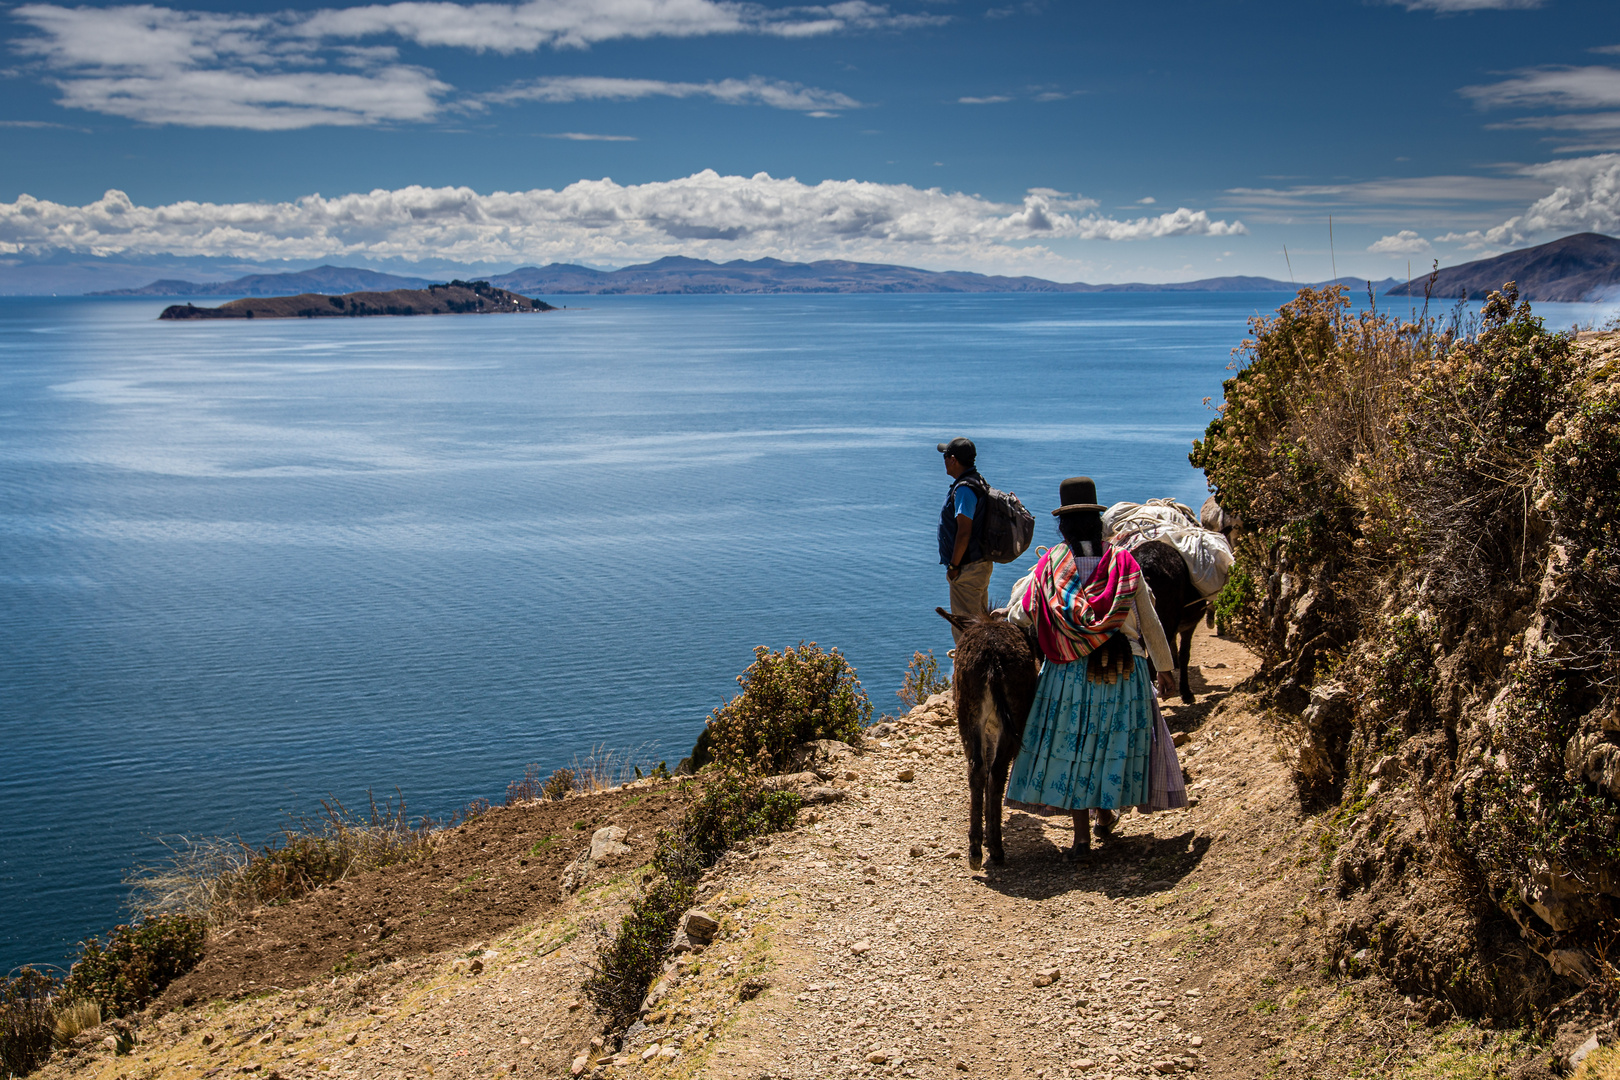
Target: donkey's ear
x: 958, y: 621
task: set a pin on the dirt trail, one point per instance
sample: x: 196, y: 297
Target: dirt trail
x: 860, y: 944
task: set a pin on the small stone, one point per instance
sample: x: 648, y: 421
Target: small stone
x: 267, y: 1038
x: 953, y: 854
x: 1196, y: 1041
x: 525, y: 1042
x: 669, y: 1053
x: 1195, y: 992
x: 851, y: 775
x: 961, y: 1065
x: 877, y: 1057
x: 579, y: 1065
x: 1165, y: 1066
x: 917, y: 851
x: 350, y: 1038
x: 608, y: 842
x: 907, y: 775
x: 651, y: 1052
x: 1180, y: 738
x: 861, y: 947
x: 1084, y: 1063
x: 1047, y: 976
x: 574, y: 1006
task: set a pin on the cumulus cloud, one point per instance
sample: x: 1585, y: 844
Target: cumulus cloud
x: 705, y: 214
x: 1405, y: 242
x: 1585, y: 196
x: 751, y: 91
x: 165, y: 66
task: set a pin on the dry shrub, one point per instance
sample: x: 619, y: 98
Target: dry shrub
x: 788, y: 698
x: 26, y: 1020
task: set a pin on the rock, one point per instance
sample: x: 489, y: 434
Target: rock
x: 907, y: 775
x: 961, y: 1066
x: 1047, y: 976
x: 579, y: 1064
x: 651, y: 1052
x: 953, y: 854
x: 350, y: 1038
x: 608, y: 842
x: 751, y: 988
x: 1083, y: 1064
x: 465, y: 966
x: 1165, y: 1066
x: 786, y: 781
x: 1578, y: 1055
x: 917, y: 851
x: 1180, y: 738
x: 1196, y: 1041
x: 877, y: 1057
x: 700, y: 926
x: 826, y: 758
x: 1572, y: 963
x: 851, y: 775
x: 825, y: 795
x: 861, y: 947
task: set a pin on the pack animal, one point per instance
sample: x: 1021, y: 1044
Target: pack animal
x: 997, y: 665
x: 1178, y: 605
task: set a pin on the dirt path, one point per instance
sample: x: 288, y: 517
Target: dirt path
x: 886, y: 955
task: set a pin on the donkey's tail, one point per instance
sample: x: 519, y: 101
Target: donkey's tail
x: 998, y: 694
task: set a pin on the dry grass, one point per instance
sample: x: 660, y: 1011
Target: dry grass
x: 219, y: 878
x: 75, y: 1018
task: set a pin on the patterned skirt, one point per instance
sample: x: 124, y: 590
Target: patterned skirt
x: 1087, y: 744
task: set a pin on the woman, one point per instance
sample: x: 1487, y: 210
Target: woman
x: 1089, y: 742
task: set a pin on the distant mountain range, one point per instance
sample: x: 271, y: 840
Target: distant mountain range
x: 677, y: 274
x: 1575, y: 268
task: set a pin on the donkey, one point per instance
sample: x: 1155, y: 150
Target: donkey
x: 1178, y: 605
x: 997, y: 665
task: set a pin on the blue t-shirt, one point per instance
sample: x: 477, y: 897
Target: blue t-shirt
x: 965, y: 502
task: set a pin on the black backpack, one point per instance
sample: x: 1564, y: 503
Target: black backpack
x: 1007, y: 526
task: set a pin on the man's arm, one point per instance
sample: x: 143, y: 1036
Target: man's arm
x: 964, y: 533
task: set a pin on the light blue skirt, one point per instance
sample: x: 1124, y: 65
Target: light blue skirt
x: 1087, y: 744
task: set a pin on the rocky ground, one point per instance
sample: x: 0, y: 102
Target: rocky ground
x: 861, y: 944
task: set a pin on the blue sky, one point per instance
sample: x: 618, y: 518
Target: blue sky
x: 1078, y: 141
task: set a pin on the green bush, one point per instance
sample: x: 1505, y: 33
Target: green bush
x: 731, y: 808
x: 27, y: 1021
x: 788, y: 697
x: 922, y: 680
x: 137, y: 962
x: 559, y: 785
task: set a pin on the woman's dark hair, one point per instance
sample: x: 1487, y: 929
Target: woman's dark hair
x: 1082, y: 525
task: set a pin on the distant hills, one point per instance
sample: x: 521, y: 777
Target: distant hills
x: 677, y: 274
x: 322, y: 279
x: 1575, y: 268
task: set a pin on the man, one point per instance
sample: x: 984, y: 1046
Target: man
x: 960, y: 531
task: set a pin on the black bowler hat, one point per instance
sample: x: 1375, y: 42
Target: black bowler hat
x: 1077, y: 493
x: 959, y: 448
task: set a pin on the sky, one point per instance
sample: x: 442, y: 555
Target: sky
x: 1149, y: 141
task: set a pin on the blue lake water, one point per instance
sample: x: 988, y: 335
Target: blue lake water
x: 245, y: 566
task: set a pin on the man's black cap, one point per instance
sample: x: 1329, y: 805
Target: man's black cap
x: 960, y: 449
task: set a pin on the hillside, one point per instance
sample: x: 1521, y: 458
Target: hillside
x: 856, y: 943
x: 454, y: 298
x: 1570, y: 269
x: 322, y: 279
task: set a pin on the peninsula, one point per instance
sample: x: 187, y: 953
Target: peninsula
x: 451, y: 298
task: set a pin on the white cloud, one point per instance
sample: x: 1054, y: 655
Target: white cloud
x: 165, y: 66
x: 1452, y: 7
x: 752, y: 91
x: 705, y: 214
x: 581, y: 136
x: 1585, y: 196
x: 1592, y: 87
x: 993, y: 99
x: 1405, y: 242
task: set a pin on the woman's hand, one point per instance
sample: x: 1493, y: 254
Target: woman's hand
x: 1167, y: 683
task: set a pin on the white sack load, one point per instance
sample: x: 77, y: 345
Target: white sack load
x: 1207, y: 554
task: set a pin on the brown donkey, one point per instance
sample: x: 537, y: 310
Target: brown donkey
x: 997, y: 666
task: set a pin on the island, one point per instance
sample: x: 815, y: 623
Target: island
x: 450, y: 298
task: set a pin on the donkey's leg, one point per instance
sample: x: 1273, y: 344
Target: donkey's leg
x: 1185, y: 655
x: 977, y: 776
x: 1005, y: 753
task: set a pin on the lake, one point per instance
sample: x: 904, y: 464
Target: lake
x: 245, y: 566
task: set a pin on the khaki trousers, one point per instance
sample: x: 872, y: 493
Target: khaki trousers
x: 970, y: 592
